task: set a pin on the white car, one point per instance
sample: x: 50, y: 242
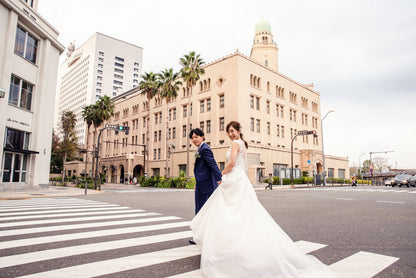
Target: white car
x: 388, y: 181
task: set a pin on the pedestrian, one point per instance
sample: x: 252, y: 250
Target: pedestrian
x: 270, y: 185
x: 134, y: 180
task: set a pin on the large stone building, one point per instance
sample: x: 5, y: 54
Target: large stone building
x: 101, y: 66
x: 271, y: 107
x: 29, y: 54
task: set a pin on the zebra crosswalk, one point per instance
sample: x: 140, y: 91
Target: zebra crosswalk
x: 365, y: 189
x: 69, y: 237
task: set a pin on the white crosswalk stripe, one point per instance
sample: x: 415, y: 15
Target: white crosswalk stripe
x: 33, y: 246
x: 388, y: 190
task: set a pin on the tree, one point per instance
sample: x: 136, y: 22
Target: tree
x: 148, y: 86
x: 89, y: 116
x: 366, y: 166
x: 190, y: 72
x: 56, y: 154
x: 380, y: 164
x: 68, y: 145
x: 104, y: 109
x: 168, y: 85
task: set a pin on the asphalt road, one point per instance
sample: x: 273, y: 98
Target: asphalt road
x: 377, y: 220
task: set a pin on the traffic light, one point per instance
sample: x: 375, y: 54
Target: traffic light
x: 125, y: 129
x: 312, y: 132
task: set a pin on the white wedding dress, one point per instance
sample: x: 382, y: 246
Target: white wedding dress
x: 239, y: 239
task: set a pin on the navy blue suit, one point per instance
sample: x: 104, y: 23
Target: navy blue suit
x: 207, y: 174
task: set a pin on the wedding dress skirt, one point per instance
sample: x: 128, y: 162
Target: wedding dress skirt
x: 239, y: 239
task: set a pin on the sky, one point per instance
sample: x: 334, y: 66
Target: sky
x: 359, y: 54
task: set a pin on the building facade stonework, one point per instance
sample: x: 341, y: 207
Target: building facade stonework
x: 271, y: 108
x: 29, y: 54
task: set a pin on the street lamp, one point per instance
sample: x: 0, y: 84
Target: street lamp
x: 323, y: 154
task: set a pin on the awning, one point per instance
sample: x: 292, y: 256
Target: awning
x: 20, y: 151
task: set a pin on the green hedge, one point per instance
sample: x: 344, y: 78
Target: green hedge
x: 161, y: 182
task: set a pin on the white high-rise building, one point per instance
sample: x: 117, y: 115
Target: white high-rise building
x: 101, y: 66
x: 29, y: 59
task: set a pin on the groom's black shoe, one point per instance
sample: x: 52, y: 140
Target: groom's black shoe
x: 192, y: 242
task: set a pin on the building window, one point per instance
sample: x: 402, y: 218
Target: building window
x: 341, y: 173
x: 252, y: 102
x: 222, y: 166
x: 251, y: 124
x: 182, y: 168
x: 160, y: 135
x: 208, y: 126
x: 174, y: 133
x: 221, y: 123
x: 118, y: 65
x: 158, y: 153
x: 174, y: 114
x: 20, y: 93
x: 202, y: 102
x: 268, y: 128
x: 155, y: 137
x: 257, y: 103
x: 330, y: 172
x: 278, y: 130
x: 258, y: 125
x: 208, y: 105
x: 154, y: 154
x: 268, y: 107
x: 201, y: 125
x: 184, y: 131
x: 221, y: 101
x: 119, y: 59
x: 185, y: 111
x: 101, y: 54
x: 25, y: 45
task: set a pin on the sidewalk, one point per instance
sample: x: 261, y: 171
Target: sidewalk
x: 51, y: 191
x: 70, y: 190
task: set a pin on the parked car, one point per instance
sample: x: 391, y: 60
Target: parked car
x: 388, y: 181
x: 412, y: 181
x: 401, y: 179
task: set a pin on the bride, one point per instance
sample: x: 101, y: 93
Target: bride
x: 238, y: 237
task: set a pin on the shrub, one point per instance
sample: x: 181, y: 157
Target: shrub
x: 191, y: 183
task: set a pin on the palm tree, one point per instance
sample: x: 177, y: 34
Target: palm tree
x: 89, y: 116
x: 149, y: 87
x: 190, y: 72
x: 104, y: 109
x: 68, y: 122
x: 168, y: 84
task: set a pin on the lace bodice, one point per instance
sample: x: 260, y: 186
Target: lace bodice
x: 241, y: 156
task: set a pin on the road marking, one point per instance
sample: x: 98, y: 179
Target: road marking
x: 346, y: 199
x: 121, y: 264
x: 23, y: 231
x: 413, y: 192
x: 35, y: 210
x: 390, y: 202
x: 362, y: 265
x: 94, y: 234
x: 62, y: 213
x: 307, y: 246
x: 114, y: 214
x: 51, y: 254
x: 401, y: 191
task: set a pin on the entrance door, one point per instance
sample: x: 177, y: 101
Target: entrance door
x: 14, y: 167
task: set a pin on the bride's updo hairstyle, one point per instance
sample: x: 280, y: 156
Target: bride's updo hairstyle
x: 236, y: 125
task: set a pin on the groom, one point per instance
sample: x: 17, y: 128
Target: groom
x: 206, y: 171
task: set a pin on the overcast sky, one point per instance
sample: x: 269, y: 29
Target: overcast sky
x: 360, y: 54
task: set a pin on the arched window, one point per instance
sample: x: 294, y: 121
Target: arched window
x: 268, y: 86
x: 205, y: 85
x: 209, y: 83
x: 200, y: 86
x: 251, y: 79
x: 258, y: 82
